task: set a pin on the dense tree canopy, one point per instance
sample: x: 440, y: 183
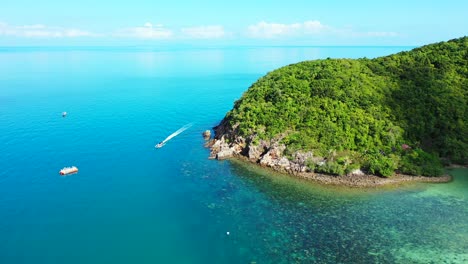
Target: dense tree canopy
x: 367, y: 109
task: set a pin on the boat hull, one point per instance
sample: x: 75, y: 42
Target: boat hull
x: 70, y: 170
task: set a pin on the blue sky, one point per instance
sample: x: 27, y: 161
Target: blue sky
x: 241, y: 22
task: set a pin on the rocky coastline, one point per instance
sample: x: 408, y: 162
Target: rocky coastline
x: 269, y: 154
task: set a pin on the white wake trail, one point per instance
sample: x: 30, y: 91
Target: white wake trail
x: 180, y: 130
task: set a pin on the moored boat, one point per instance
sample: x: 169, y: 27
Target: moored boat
x: 68, y: 170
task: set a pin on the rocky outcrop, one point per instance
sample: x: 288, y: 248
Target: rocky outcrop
x: 300, y: 159
x: 206, y: 134
x: 224, y: 154
x: 222, y: 149
x: 226, y: 144
x: 273, y: 156
x: 284, y: 163
x: 265, y: 153
x: 254, y: 153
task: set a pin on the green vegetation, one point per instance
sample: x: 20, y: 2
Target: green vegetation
x: 368, y: 109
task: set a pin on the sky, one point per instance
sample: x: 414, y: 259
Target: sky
x: 240, y: 22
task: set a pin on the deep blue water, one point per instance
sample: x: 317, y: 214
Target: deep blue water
x: 132, y: 203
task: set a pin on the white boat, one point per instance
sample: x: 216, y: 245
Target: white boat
x: 64, y: 114
x: 68, y: 170
x: 160, y: 145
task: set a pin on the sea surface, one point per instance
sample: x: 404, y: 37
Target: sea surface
x: 132, y: 203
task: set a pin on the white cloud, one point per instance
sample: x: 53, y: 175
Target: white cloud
x: 204, y: 32
x: 147, y: 31
x: 261, y: 30
x: 42, y: 31
x: 265, y: 30
x: 313, y: 27
x: 273, y: 30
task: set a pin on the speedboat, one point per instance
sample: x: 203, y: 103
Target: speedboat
x: 159, y: 145
x: 68, y: 170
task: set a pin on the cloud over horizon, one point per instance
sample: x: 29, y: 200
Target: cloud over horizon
x: 42, y: 31
x: 273, y: 30
x: 147, y: 31
x: 265, y: 30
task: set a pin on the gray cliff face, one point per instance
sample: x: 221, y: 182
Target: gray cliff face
x: 227, y: 144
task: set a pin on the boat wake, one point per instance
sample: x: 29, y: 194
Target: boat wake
x: 180, y: 130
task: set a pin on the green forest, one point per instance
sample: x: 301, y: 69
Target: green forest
x: 405, y: 113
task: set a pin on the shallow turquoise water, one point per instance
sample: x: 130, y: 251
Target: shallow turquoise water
x: 133, y: 203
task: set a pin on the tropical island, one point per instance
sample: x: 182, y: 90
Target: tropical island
x: 358, y: 122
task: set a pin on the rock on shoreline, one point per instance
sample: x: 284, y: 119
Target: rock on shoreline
x: 206, y: 134
x: 270, y: 155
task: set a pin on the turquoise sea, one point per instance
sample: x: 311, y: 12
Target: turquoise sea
x: 132, y: 203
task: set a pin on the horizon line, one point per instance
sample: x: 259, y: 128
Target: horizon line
x: 204, y: 46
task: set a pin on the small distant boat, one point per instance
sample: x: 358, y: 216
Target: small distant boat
x: 180, y: 130
x: 159, y: 145
x: 64, y: 114
x: 68, y: 170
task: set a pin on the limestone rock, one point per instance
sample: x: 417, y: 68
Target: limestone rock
x: 284, y: 163
x: 357, y: 172
x: 237, y: 148
x: 267, y: 160
x: 254, y: 153
x: 224, y: 154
